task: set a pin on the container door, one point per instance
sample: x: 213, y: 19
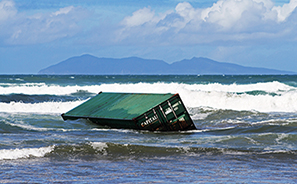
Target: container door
x: 176, y: 114
x: 170, y: 115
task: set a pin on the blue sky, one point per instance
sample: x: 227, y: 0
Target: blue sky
x: 35, y: 34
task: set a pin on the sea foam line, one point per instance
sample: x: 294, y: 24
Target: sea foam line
x: 25, y: 126
x: 158, y: 87
x: 192, y: 99
x: 44, y: 107
x: 12, y: 154
x: 215, y: 96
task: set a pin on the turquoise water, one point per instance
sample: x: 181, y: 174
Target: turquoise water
x: 247, y: 131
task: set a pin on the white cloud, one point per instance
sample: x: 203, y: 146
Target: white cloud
x: 7, y: 10
x: 143, y: 22
x: 225, y: 20
x: 233, y: 21
x: 139, y: 17
x: 20, y: 28
x: 187, y: 12
x: 229, y: 12
x: 285, y: 11
x: 64, y: 11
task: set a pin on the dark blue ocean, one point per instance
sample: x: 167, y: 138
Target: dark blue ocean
x: 247, y: 131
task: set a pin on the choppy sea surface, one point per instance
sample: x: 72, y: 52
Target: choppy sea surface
x: 246, y: 131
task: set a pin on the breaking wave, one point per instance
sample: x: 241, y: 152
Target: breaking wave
x: 44, y: 107
x: 118, y: 151
x: 12, y: 154
x: 157, y: 87
x: 44, y: 98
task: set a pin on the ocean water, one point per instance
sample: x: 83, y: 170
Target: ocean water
x: 246, y: 131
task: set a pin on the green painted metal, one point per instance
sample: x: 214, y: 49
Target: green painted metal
x: 135, y: 111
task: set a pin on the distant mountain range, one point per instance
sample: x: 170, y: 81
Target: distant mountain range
x: 88, y: 64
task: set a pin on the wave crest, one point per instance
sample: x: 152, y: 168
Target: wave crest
x: 262, y: 97
x: 12, y: 154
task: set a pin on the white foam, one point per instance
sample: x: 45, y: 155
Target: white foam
x: 44, y: 89
x: 115, y: 130
x: 12, y: 154
x: 44, y: 107
x: 100, y: 146
x: 269, y: 87
x: 26, y: 126
x: 160, y: 87
x: 222, y: 100
x: 216, y: 95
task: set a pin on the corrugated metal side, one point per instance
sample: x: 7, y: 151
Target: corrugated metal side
x: 117, y: 105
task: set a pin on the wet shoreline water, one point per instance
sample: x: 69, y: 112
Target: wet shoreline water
x: 247, y: 132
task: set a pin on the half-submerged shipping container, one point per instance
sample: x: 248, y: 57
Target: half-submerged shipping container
x: 154, y: 112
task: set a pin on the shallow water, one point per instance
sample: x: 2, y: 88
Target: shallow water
x: 247, y: 131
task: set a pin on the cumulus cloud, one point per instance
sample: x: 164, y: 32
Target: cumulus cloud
x: 228, y: 13
x: 139, y: 17
x: 19, y: 28
x: 224, y: 21
x: 235, y: 20
x: 7, y: 10
x: 285, y: 11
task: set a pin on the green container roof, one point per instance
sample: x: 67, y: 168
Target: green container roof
x: 118, y: 105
